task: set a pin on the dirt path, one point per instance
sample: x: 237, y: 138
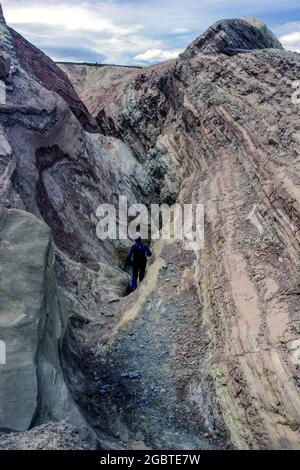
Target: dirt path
x: 150, y: 392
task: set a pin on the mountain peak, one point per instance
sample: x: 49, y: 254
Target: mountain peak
x: 232, y: 36
x: 2, y: 19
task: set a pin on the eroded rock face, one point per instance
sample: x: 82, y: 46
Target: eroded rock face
x: 5, y: 64
x: 22, y: 313
x: 54, y: 175
x: 87, y: 79
x: 60, y: 173
x: 38, y: 65
x: 219, y: 125
x: 204, y: 354
x: 33, y: 322
x: 48, y: 172
x: 233, y: 36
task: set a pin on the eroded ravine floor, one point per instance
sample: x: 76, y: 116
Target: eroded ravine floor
x: 149, y: 388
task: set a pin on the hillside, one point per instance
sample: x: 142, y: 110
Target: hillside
x: 205, y: 353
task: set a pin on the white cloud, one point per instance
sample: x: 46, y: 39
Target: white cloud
x: 96, y: 27
x: 291, y: 41
x: 116, y: 46
x: 70, y: 17
x: 157, y: 55
x: 115, y: 31
x: 120, y: 30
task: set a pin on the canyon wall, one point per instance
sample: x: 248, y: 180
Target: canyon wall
x: 205, y: 354
x: 218, y: 127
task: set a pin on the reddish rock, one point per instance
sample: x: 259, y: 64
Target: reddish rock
x: 37, y: 64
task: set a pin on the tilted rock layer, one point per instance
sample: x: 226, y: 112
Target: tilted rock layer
x: 218, y: 127
x: 205, y: 354
x: 233, y: 36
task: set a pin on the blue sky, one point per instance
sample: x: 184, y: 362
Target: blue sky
x: 137, y: 31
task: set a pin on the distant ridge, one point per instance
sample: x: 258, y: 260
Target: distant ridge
x: 232, y: 37
x: 95, y: 64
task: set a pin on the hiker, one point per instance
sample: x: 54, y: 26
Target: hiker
x: 137, y: 257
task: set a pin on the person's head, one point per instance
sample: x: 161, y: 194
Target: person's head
x: 138, y: 239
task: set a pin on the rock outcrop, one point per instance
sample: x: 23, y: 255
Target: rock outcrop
x: 5, y: 65
x: 23, y: 313
x: 232, y: 37
x: 205, y: 354
x: 218, y: 127
x: 87, y: 79
x: 39, y: 137
x: 33, y: 323
x: 41, y: 67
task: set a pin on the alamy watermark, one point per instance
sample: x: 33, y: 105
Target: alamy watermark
x: 180, y: 222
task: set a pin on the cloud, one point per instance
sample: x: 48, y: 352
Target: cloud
x: 84, y: 26
x: 158, y: 55
x: 127, y: 31
x: 289, y: 36
x: 291, y: 41
x: 71, y: 18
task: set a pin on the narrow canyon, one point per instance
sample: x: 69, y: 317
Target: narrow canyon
x: 205, y: 354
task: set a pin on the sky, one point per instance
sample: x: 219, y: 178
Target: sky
x: 137, y: 32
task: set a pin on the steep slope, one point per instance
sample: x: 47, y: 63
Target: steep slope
x: 218, y: 126
x: 33, y: 323
x: 86, y: 79
x: 53, y: 176
x: 38, y: 65
x: 233, y: 36
x: 205, y: 354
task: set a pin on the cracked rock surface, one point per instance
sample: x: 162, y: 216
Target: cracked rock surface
x: 205, y: 354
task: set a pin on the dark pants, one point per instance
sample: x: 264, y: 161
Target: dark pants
x: 138, y: 271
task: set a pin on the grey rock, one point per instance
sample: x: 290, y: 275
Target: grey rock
x: 32, y: 324
x: 197, y: 129
x: 104, y: 389
x: 51, y: 436
x: 136, y: 374
x: 25, y: 244
x: 5, y: 64
x: 233, y: 36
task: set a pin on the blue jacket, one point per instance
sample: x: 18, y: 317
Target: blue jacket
x: 138, y: 253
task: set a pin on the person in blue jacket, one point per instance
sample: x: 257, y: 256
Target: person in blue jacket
x: 137, y: 257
